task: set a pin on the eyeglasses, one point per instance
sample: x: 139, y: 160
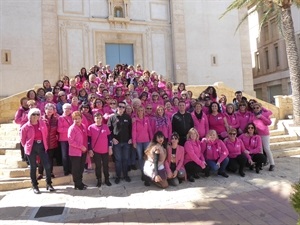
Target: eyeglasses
x: 149, y: 108
x: 166, y: 97
x: 35, y: 114
x: 121, y: 107
x: 174, y: 138
x: 127, y: 94
x: 232, y: 133
x: 113, y: 103
x: 250, y: 128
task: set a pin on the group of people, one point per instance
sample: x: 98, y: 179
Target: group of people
x: 140, y: 119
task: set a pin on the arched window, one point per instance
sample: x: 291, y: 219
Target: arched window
x: 118, y: 12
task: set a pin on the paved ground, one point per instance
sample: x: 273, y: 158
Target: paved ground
x: 255, y: 199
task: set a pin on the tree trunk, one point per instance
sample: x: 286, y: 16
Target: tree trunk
x: 293, y: 60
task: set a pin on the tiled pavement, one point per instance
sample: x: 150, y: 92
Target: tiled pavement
x: 256, y: 199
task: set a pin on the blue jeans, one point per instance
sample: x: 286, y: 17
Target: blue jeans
x: 132, y: 156
x: 213, y: 165
x: 38, y: 149
x: 141, y: 147
x: 64, y: 145
x: 121, y: 153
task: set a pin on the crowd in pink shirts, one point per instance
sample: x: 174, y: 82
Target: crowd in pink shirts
x: 151, y: 102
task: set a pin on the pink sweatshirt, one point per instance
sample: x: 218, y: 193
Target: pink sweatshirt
x: 21, y: 116
x: 99, y: 136
x: 64, y: 122
x: 262, y: 123
x: 235, y: 148
x: 214, y: 150
x: 232, y: 120
x: 165, y: 129
x: 193, y: 153
x: 244, y: 119
x: 179, y: 158
x: 28, y: 133
x: 141, y: 130
x: 77, y: 139
x: 252, y: 143
x: 217, y: 122
x: 201, y: 125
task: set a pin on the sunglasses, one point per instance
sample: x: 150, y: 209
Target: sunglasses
x: 127, y: 94
x: 174, y: 138
x: 113, y: 103
x: 35, y: 114
x: 149, y: 108
x: 232, y: 133
x: 121, y: 107
x: 242, y: 105
x: 250, y: 128
x: 107, y: 98
x: 256, y: 107
x: 165, y: 97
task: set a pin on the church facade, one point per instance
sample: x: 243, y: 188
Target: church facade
x: 185, y: 41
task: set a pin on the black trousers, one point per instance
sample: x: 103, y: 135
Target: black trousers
x: 50, y: 153
x: 237, y: 163
x: 259, y: 159
x: 193, y: 168
x: 77, y: 163
x: 101, y: 160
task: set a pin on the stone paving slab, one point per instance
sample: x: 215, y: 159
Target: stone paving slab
x: 255, y: 199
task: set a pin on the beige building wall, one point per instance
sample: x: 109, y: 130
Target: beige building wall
x: 183, y: 40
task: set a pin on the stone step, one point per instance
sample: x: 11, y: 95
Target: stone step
x: 282, y: 138
x: 284, y: 145
x: 286, y: 152
x: 24, y: 182
x: 277, y: 132
x: 11, y: 162
x: 10, y: 144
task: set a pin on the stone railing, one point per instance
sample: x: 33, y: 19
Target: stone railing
x: 283, y: 108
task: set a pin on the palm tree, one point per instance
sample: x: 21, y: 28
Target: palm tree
x: 282, y: 8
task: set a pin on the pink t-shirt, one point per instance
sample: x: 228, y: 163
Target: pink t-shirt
x: 217, y: 122
x: 37, y: 132
x: 99, y: 144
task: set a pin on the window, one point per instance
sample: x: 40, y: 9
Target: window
x: 267, y: 59
x: 266, y: 32
x: 257, y: 61
x: 214, y: 60
x: 118, y: 12
x: 6, y: 57
x: 276, y: 55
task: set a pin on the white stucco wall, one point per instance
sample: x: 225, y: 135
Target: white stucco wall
x: 208, y: 36
x: 21, y: 34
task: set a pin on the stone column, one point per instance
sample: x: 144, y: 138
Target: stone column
x: 50, y: 41
x: 179, y: 41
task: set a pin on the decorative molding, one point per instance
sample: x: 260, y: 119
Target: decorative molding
x: 72, y: 3
x: 160, y: 7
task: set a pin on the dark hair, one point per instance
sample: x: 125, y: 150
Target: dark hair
x: 246, y: 128
x: 83, y: 75
x: 97, y: 114
x: 238, y: 92
x: 85, y: 105
x: 214, y: 94
x: 183, y: 86
x: 157, y: 135
x: 210, y: 107
x: 97, y: 99
x: 28, y: 93
x: 175, y: 134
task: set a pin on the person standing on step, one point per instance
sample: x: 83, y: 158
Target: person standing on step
x: 78, y: 144
x: 21, y: 117
x: 120, y: 126
x: 100, y: 147
x: 34, y: 134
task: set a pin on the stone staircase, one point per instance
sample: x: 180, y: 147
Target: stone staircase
x: 14, y: 174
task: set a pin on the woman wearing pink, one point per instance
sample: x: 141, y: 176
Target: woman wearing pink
x: 78, y: 143
x: 174, y: 161
x: 231, y: 116
x: 100, y: 148
x: 194, y: 161
x: 200, y: 120
x: 252, y: 142
x: 34, y: 135
x: 217, y: 120
x: 215, y: 153
x: 141, y: 135
x: 169, y: 110
x: 261, y: 120
x: 160, y: 122
x: 97, y: 106
x: 244, y: 116
x: 64, y: 122
x: 238, y: 155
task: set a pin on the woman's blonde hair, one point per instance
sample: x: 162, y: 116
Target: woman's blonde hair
x: 75, y: 114
x: 210, y: 132
x: 192, y: 130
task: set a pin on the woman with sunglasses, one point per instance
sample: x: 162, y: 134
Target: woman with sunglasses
x: 194, y: 161
x: 34, y: 134
x: 238, y: 155
x: 261, y: 120
x: 154, y: 167
x: 253, y: 144
x: 97, y: 106
x: 174, y: 161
